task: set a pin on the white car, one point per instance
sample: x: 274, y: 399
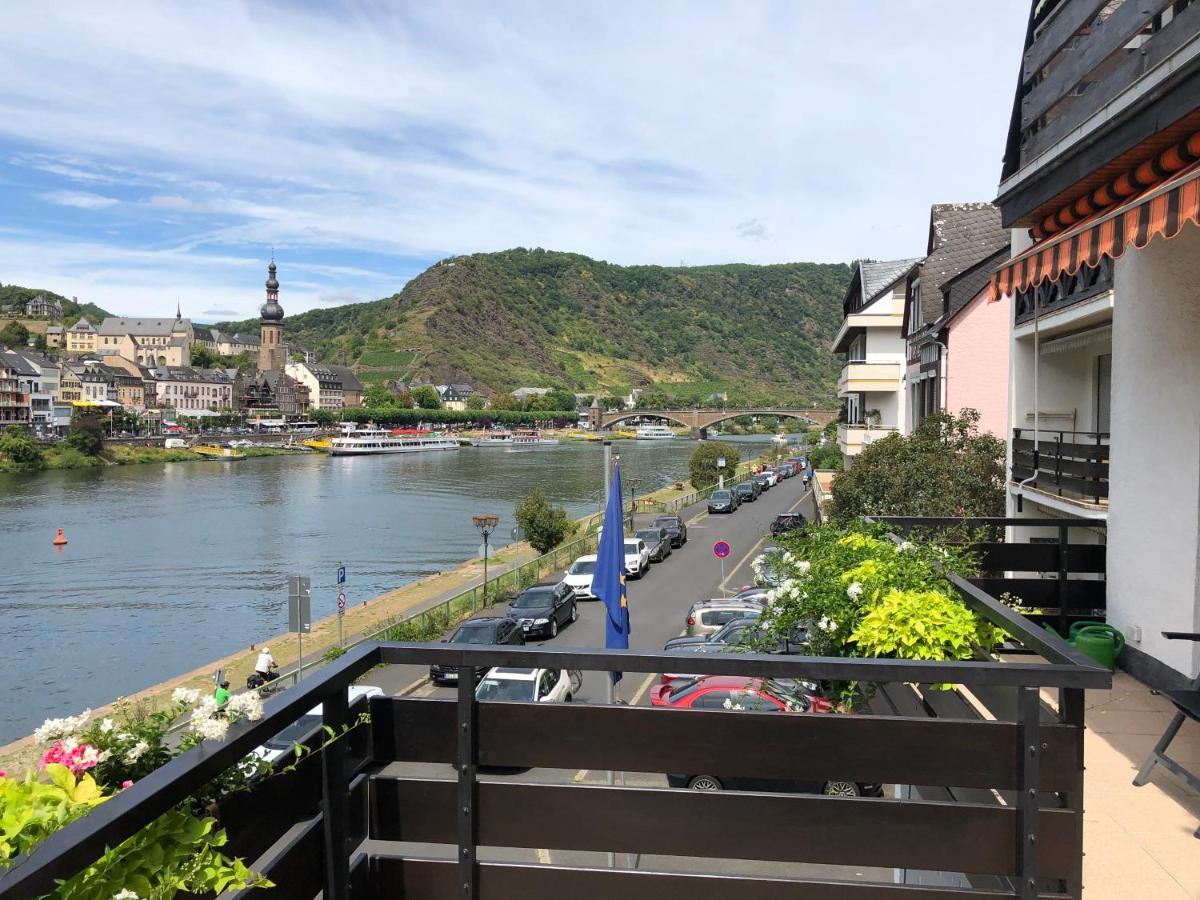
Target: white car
x: 282, y: 745
x: 529, y: 685
x: 579, y: 577
x: 637, y: 557
x: 772, y: 477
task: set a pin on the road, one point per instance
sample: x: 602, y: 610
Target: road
x: 658, y: 606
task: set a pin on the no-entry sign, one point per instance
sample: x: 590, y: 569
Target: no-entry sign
x: 720, y: 550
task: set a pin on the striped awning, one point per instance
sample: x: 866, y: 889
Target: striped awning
x: 1159, y: 211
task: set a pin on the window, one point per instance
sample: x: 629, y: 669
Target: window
x: 914, y: 305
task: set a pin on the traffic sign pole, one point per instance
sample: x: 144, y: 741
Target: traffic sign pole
x: 721, y: 550
x: 341, y: 602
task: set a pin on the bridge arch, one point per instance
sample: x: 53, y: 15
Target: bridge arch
x: 776, y: 413
x: 613, y: 421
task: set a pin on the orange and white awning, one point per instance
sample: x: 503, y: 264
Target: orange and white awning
x: 1162, y: 210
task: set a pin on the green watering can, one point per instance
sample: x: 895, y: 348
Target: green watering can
x: 1100, y: 641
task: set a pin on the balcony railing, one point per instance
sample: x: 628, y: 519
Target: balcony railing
x: 1066, y: 290
x: 952, y: 760
x: 1071, y: 464
x: 857, y: 377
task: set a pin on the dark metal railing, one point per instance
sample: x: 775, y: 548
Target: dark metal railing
x: 1068, y: 463
x: 1065, y: 290
x: 1035, y: 755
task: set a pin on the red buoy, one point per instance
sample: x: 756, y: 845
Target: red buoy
x: 60, y: 538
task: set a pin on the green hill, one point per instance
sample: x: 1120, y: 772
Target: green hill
x: 541, y: 318
x: 16, y: 296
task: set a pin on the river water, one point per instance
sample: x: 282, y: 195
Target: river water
x: 171, y: 566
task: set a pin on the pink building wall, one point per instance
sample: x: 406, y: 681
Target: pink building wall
x: 977, y: 374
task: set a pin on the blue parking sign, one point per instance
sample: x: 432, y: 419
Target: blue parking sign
x: 341, y: 575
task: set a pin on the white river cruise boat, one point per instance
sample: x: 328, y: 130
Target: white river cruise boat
x: 654, y: 433
x: 371, y: 441
x: 530, y: 438
x: 494, y: 439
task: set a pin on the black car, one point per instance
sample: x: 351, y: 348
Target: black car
x: 544, y: 608
x: 786, y: 522
x: 657, y: 541
x: 722, y: 501
x: 675, y: 529
x: 762, y: 480
x: 485, y: 630
x: 747, y: 492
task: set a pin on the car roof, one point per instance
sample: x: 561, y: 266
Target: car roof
x: 511, y: 673
x: 542, y: 586
x: 731, y: 603
x: 485, y: 620
x: 591, y: 557
x: 728, y: 682
x: 668, y: 518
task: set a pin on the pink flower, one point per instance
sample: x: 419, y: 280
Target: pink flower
x: 126, y: 784
x: 3, y: 774
x: 78, y: 758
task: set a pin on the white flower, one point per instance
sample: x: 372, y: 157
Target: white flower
x: 53, y: 729
x: 827, y: 624
x: 210, y: 729
x: 803, y: 566
x: 248, y: 705
x: 91, y: 755
x: 134, y: 753
x: 771, y: 595
x: 906, y: 547
x: 105, y: 756
x: 106, y: 725
x: 185, y: 695
x: 854, y: 591
x: 728, y: 704
x: 126, y: 894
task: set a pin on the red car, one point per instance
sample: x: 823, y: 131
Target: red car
x: 739, y: 692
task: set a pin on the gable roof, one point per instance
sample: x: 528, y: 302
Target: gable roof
x: 878, y: 276
x: 114, y: 325
x: 17, y: 363
x: 960, y: 290
x: 347, y: 378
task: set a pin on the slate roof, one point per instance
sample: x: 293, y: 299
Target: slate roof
x: 346, y: 377
x: 114, y: 325
x: 878, y: 275
x: 17, y: 363
x: 202, y: 333
x: 960, y: 235
x: 964, y: 287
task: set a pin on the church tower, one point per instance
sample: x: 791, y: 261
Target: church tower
x: 271, y: 352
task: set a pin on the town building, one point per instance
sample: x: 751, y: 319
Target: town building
x: 81, y: 338
x: 141, y: 398
x: 39, y: 378
x: 271, y: 391
x: 186, y: 388
x: 98, y: 387
x: 236, y: 344
x: 43, y: 307
x: 70, y: 388
x: 525, y: 393
x: 272, y: 353
x: 14, y: 399
x: 872, y: 381
x: 329, y: 387
x: 55, y: 337
x: 961, y: 235
x: 1101, y: 188
x: 152, y: 342
x: 455, y: 396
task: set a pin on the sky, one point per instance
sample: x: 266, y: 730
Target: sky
x: 154, y: 153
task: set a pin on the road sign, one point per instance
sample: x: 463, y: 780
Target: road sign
x: 341, y: 575
x: 299, y: 604
x: 721, y: 550
x: 341, y: 602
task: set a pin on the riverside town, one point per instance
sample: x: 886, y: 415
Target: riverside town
x: 494, y: 451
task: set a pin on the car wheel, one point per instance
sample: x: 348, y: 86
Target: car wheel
x: 841, y: 789
x: 574, y: 611
x: 704, y: 783
x: 554, y: 628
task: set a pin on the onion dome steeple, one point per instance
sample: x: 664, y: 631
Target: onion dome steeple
x: 271, y: 310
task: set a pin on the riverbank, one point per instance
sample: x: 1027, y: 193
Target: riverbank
x: 59, y: 457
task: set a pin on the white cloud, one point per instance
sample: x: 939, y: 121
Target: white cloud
x: 629, y: 132
x: 79, y: 199
x: 223, y: 313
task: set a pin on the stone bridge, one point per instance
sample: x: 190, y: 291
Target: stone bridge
x: 700, y: 420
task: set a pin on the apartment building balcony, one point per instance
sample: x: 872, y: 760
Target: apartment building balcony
x: 852, y: 438
x: 860, y: 377
x: 1069, y: 465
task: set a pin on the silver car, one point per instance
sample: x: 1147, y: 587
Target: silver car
x: 710, y: 616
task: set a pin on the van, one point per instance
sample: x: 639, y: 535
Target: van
x: 175, y: 444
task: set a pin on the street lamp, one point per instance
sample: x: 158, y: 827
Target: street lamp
x: 633, y: 486
x: 486, y: 525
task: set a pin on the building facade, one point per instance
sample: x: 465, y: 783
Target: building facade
x: 871, y: 383
x: 43, y: 307
x: 14, y: 401
x: 324, y: 384
x: 1101, y: 187
x: 81, y: 338
x: 151, y: 342
x: 272, y: 352
x: 185, y: 388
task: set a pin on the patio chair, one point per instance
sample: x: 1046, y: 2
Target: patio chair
x: 1187, y: 704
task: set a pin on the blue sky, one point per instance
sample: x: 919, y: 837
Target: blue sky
x: 152, y: 153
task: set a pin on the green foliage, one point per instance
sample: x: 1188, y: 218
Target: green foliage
x: 31, y: 810
x: 944, y: 468
x: 87, y: 432
x: 475, y: 401
x: 376, y: 396
x: 333, y: 653
x: 203, y: 358
x: 916, y: 624
x: 521, y: 317
x: 14, y: 335
x: 545, y: 526
x: 702, y: 466
x: 427, y: 397
x: 21, y: 449
x: 72, y: 311
x: 828, y: 456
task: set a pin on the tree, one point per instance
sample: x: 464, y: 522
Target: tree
x: 427, y: 397
x: 944, y: 468
x: 545, y: 526
x: 376, y: 396
x: 20, y: 448
x: 404, y: 399
x: 502, y: 400
x: 202, y: 357
x: 87, y: 432
x: 703, y: 464
x: 828, y: 456
x: 476, y: 401
x: 14, y: 335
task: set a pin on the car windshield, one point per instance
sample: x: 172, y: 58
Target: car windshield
x: 534, y: 598
x: 475, y: 633
x: 745, y: 486
x: 720, y: 495
x: 504, y: 689
x: 631, y: 548
x: 666, y: 522
x: 650, y: 535
x: 294, y: 732
x: 582, y: 567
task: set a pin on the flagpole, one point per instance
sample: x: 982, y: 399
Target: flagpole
x: 608, y: 682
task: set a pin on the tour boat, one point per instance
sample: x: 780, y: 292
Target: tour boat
x: 494, y: 439
x: 654, y: 433
x: 371, y: 441
x: 215, y: 451
x: 530, y: 438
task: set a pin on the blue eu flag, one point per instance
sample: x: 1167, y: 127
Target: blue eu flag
x: 608, y: 582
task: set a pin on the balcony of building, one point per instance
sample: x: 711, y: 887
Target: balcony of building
x: 431, y: 798
x: 853, y: 437
x: 1063, y: 465
x: 860, y: 376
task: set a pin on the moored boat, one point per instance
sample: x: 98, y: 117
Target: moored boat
x: 218, y: 452
x: 530, y: 438
x: 374, y: 441
x: 654, y: 433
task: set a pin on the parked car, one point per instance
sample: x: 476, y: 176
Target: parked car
x: 772, y: 476
x: 722, y: 501
x: 741, y: 635
x: 746, y: 492
x: 787, y: 522
x: 637, y: 557
x: 727, y: 633
x: 675, y: 528
x: 709, y: 616
x: 306, y: 728
x: 484, y: 630
x: 657, y: 541
x: 579, y: 577
x: 544, y: 608
x: 529, y: 685
x: 762, y: 480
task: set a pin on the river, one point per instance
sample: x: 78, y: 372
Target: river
x: 171, y: 566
